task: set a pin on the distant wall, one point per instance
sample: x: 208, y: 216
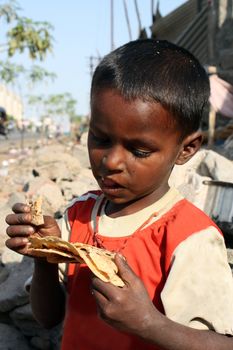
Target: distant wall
x: 11, y: 102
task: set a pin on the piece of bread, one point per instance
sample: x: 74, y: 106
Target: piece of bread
x: 36, y: 211
x: 56, y: 250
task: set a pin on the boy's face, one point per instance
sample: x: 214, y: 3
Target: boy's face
x: 132, y: 148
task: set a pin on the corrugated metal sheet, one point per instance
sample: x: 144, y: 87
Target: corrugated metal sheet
x: 172, y: 25
x: 186, y: 26
x: 219, y: 201
x: 195, y: 37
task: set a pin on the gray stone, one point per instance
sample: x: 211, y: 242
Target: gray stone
x: 50, y: 191
x: 11, y: 338
x: 83, y: 139
x: 216, y: 166
x: 40, y: 343
x: 4, y: 211
x: 12, y: 289
x: 83, y: 182
x: 81, y: 153
x: 16, y: 197
x: 10, y: 257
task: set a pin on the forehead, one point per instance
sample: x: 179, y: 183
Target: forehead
x: 110, y: 108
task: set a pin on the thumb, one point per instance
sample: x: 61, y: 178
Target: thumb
x: 124, y: 270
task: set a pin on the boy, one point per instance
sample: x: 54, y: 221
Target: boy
x: 147, y: 99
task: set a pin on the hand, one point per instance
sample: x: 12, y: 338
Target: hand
x: 129, y: 308
x: 20, y: 228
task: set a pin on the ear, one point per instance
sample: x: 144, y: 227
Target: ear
x: 190, y: 145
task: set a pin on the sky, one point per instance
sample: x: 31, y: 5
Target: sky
x: 82, y: 29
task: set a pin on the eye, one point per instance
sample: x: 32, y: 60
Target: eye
x: 98, y: 139
x: 141, y: 154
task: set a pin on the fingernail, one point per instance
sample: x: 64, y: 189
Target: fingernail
x: 25, y: 241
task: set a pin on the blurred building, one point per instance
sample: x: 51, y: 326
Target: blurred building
x: 11, y: 102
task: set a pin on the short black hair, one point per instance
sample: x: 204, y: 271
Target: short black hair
x: 157, y: 71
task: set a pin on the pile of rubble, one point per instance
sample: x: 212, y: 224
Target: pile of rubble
x: 59, y: 172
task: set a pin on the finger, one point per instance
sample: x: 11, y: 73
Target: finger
x: 106, y: 289
x: 21, y: 208
x: 49, y: 221
x: 14, y: 219
x: 20, y: 230
x: 101, y: 303
x: 99, y: 297
x: 124, y: 270
x: 18, y: 244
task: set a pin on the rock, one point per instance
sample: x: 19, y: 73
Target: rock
x: 56, y: 157
x: 16, y: 197
x: 4, y: 273
x: 83, y: 182
x: 40, y: 343
x: 230, y: 256
x: 10, y: 257
x: 12, y: 289
x: 11, y: 338
x: 190, y: 179
x: 41, y: 338
x: 50, y: 191
x: 80, y: 152
x: 4, y: 211
x: 51, y: 342
x: 83, y: 139
x: 216, y: 166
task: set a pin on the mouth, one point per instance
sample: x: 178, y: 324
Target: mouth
x: 110, y: 186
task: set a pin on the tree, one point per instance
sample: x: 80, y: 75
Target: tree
x: 55, y: 106
x: 25, y: 34
x: 37, y: 74
x: 9, y: 72
x: 61, y: 105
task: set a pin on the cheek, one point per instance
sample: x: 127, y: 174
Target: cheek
x: 95, y: 157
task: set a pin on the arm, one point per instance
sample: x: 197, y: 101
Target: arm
x: 47, y: 297
x: 130, y: 309
x: 46, y: 294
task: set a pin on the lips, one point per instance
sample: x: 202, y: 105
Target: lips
x: 112, y: 189
x: 109, y: 183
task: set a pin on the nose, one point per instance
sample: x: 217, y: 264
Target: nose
x: 114, y: 159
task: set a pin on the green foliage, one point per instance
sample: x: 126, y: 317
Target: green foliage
x: 35, y: 100
x: 61, y: 104
x: 9, y: 72
x: 24, y: 35
x: 30, y: 35
x: 56, y: 105
x: 9, y: 11
x: 38, y: 74
x: 76, y: 119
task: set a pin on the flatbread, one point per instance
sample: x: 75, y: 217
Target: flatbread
x: 52, y: 242
x: 36, y: 211
x: 56, y: 250
x: 53, y: 256
x: 101, y: 263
